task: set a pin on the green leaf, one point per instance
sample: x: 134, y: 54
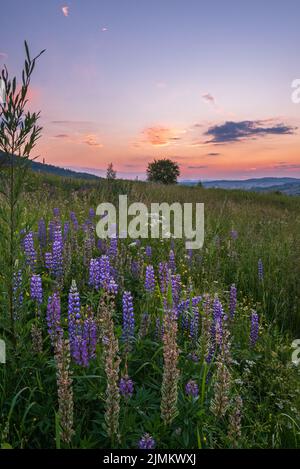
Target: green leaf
x: 27, y: 51
x: 6, y: 446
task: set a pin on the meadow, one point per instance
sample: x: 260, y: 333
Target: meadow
x: 127, y: 344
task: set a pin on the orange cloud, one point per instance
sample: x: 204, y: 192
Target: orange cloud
x: 91, y: 140
x: 160, y: 135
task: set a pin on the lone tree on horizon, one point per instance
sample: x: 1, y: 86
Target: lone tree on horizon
x: 164, y: 171
x: 110, y: 172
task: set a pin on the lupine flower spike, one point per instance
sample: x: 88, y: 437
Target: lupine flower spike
x: 146, y: 442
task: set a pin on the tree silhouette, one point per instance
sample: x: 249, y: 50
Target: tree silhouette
x: 164, y: 171
x: 110, y: 172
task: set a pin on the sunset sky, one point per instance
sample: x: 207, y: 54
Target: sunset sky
x: 206, y: 83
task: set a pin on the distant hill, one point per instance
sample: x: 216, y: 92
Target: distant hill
x: 286, y: 185
x: 288, y: 189
x: 57, y: 171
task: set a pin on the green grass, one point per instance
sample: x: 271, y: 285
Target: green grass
x: 268, y: 227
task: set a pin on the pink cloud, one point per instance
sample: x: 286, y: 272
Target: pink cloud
x: 208, y: 98
x: 65, y: 10
x: 159, y: 135
x: 91, y: 140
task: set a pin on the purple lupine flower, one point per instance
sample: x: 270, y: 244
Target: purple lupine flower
x: 196, y: 300
x: 113, y: 248
x: 22, y: 235
x: 51, y: 228
x: 17, y: 284
x: 49, y: 261
x: 36, y: 290
x: 80, y: 350
x: 82, y: 330
x: 128, y: 317
x: 57, y: 253
x: 210, y: 353
x: 175, y: 287
x: 234, y: 234
x: 232, y: 300
x: 254, y: 328
x: 172, y: 263
x: 53, y: 318
x: 191, y: 388
x: 189, y: 254
x: 94, y: 273
x: 164, y: 276
x: 57, y: 258
x: 149, y: 279
x: 184, y: 321
x: 104, y: 271
x: 87, y: 250
x: 187, y: 305
x: 126, y: 386
x: 135, y: 268
x: 56, y: 212
x: 42, y: 233
x: 146, y: 442
x: 74, y: 302
x: 85, y: 226
x: 112, y: 287
x: 58, y: 234
x: 100, y: 275
x: 218, y: 316
x: 216, y: 329
x: 92, y: 213
x: 260, y: 267
x: 74, y: 221
x: 85, y: 339
x: 101, y: 246
x: 148, y: 251
x: 29, y: 249
x: 17, y: 291
x: 73, y: 313
x: 194, y: 325
x: 66, y: 230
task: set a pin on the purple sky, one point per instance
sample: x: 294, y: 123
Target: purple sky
x: 207, y: 83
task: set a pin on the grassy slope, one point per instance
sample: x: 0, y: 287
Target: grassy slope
x: 268, y: 227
